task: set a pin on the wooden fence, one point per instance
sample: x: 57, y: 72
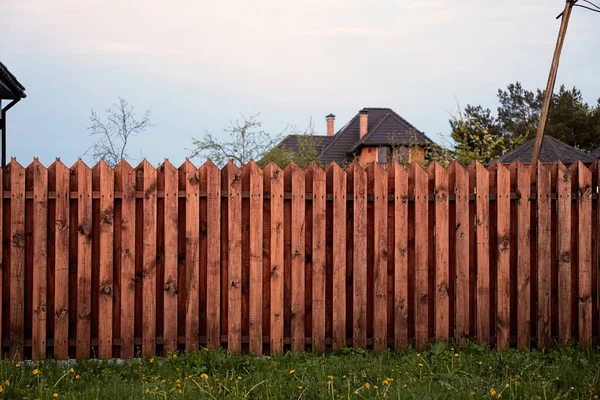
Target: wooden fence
x: 129, y: 261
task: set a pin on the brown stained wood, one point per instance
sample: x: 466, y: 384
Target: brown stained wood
x: 544, y: 255
x: 523, y: 256
x: 192, y: 256
x: 84, y: 258
x: 213, y: 256
x: 336, y: 184
x: 482, y: 231
x: 149, y: 257
x: 503, y: 257
x: 17, y: 260
x: 273, y: 183
x: 255, y: 176
x: 294, y: 180
x: 171, y: 220
x: 40, y: 242
x: 60, y: 175
x: 234, y: 293
x: 125, y: 181
x: 399, y: 176
x: 421, y: 256
x: 357, y: 186
x: 442, y: 266
x: 462, y: 250
x: 584, y: 254
x: 319, y: 186
x: 105, y: 174
x: 377, y: 179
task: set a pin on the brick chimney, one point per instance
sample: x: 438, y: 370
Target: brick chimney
x: 330, y: 124
x: 364, y: 122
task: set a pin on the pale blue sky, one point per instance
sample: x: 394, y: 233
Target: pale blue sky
x: 199, y: 64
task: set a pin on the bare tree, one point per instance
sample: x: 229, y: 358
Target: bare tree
x: 245, y: 141
x: 113, y: 134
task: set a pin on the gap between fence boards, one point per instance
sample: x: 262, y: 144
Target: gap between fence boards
x: 288, y: 196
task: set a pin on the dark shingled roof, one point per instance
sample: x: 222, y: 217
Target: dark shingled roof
x: 595, y: 153
x: 10, y: 88
x: 291, y: 142
x: 552, y: 150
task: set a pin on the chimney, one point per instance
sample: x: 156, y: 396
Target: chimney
x: 364, y: 122
x: 330, y: 124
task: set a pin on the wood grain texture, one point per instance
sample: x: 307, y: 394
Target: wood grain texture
x: 442, y: 266
x: 400, y: 181
x: 483, y: 248
x: 105, y: 175
x: 318, y: 189
x: 584, y: 254
x: 421, y: 256
x: 544, y: 255
x: 503, y: 257
x: 462, y: 250
x: 523, y: 256
x: 40, y: 243
x: 171, y: 221
x: 564, y: 253
x: 273, y: 184
x: 17, y: 260
x: 337, y: 177
x: 256, y: 181
x: 234, y: 283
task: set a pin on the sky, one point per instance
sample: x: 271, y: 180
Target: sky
x: 201, y: 64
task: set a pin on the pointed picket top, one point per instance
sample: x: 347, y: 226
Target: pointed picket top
x: 14, y: 163
x: 209, y: 164
x: 250, y: 166
x: 123, y: 165
x: 455, y: 165
x: 187, y: 165
x: 36, y: 164
x: 292, y: 171
x: 313, y: 172
x: 102, y: 168
x: 145, y: 165
x: 167, y: 166
x: 431, y: 168
x: 334, y: 167
x: 230, y: 175
x: 57, y: 164
x: 273, y: 170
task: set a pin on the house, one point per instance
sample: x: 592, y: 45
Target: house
x: 13, y: 91
x: 374, y: 134
x: 552, y: 150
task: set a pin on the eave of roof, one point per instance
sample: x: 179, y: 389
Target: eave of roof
x: 10, y: 82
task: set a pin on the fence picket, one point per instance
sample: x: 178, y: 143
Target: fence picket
x: 482, y: 232
x: 503, y: 257
x: 421, y: 310
x: 461, y: 193
x: 584, y: 252
x: 564, y: 253
x: 17, y: 260
x: 442, y: 273
x: 544, y: 254
x: 399, y: 176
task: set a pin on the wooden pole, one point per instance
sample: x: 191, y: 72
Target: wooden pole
x: 566, y: 15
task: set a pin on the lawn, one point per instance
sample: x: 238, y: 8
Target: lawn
x: 441, y: 372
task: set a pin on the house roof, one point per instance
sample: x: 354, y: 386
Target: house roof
x: 10, y: 87
x: 595, y: 153
x: 384, y: 126
x: 552, y: 150
x: 291, y: 142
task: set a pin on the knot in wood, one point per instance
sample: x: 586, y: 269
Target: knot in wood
x: 296, y: 252
x: 566, y: 177
x: 18, y: 240
x: 61, y: 225
x: 275, y: 175
x: 565, y: 256
x: 278, y: 227
x: 60, y: 314
x: 505, y: 243
x: 107, y: 216
x: 85, y: 229
x: 194, y: 179
x: 274, y: 273
x: 236, y: 177
x: 234, y: 284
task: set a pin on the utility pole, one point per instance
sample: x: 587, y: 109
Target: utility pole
x: 566, y: 15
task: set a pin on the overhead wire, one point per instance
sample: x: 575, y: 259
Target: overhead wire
x: 592, y: 4
x: 587, y: 8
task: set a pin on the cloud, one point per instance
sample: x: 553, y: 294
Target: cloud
x: 348, y: 32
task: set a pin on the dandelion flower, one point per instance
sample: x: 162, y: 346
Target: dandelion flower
x: 405, y: 386
x: 364, y: 375
x: 36, y: 371
x: 7, y: 383
x: 77, y: 376
x: 456, y: 355
x: 71, y: 370
x: 204, y: 376
x: 300, y: 387
x: 17, y: 365
x: 55, y: 395
x: 418, y: 354
x: 174, y: 355
x: 420, y: 365
x: 480, y: 362
x: 385, y: 382
x: 178, y: 381
x: 151, y: 360
x: 292, y: 371
x: 367, y: 385
x: 330, y: 377
x: 492, y: 392
x: 1, y: 390
x: 239, y: 378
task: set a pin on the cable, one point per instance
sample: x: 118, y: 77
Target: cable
x: 589, y: 2
x: 587, y: 8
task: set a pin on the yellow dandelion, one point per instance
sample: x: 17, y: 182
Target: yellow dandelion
x: 480, y: 362
x: 174, y: 355
x: 178, y: 381
x: 204, y: 376
x: 147, y: 390
x: 300, y: 387
x: 330, y: 377
x: 206, y: 349
x: 414, y: 379
x: 55, y: 395
x: 420, y: 365
x: 239, y: 378
x: 17, y: 365
x: 418, y: 354
x: 344, y: 376
x: 7, y: 383
x: 151, y: 360
x: 368, y: 386
x: 385, y: 382
x: 451, y: 348
x: 180, y: 391
x: 375, y: 387
x: 292, y: 371
x: 364, y: 375
x: 492, y: 392
x: 405, y: 386
x: 36, y: 371
x: 1, y: 390
x: 71, y: 370
x: 77, y: 376
x: 163, y: 381
x: 456, y: 355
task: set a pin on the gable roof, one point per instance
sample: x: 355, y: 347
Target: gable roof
x: 381, y: 124
x: 10, y: 87
x: 291, y: 142
x: 552, y: 150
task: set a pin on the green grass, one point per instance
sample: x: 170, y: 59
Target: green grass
x: 439, y: 373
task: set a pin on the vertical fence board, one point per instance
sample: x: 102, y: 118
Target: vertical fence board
x: 523, y: 256
x: 564, y: 253
x: 337, y: 181
x: 125, y: 183
x: 584, y: 254
x: 84, y: 258
x: 461, y: 250
x: 421, y: 255
x: 273, y: 184
x: 400, y: 177
x: 318, y: 189
x: 171, y: 221
x: 40, y: 241
x: 17, y: 260
x: 377, y: 187
x: 503, y: 257
x: 357, y: 185
x: 442, y: 273
x: 234, y: 271
x: 483, y: 263
x: 255, y: 177
x: 60, y: 175
x: 544, y: 254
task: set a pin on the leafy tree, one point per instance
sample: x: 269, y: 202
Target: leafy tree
x: 307, y: 152
x: 113, y: 134
x: 245, y: 141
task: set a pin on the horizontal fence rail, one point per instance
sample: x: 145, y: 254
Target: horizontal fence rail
x: 123, y: 262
